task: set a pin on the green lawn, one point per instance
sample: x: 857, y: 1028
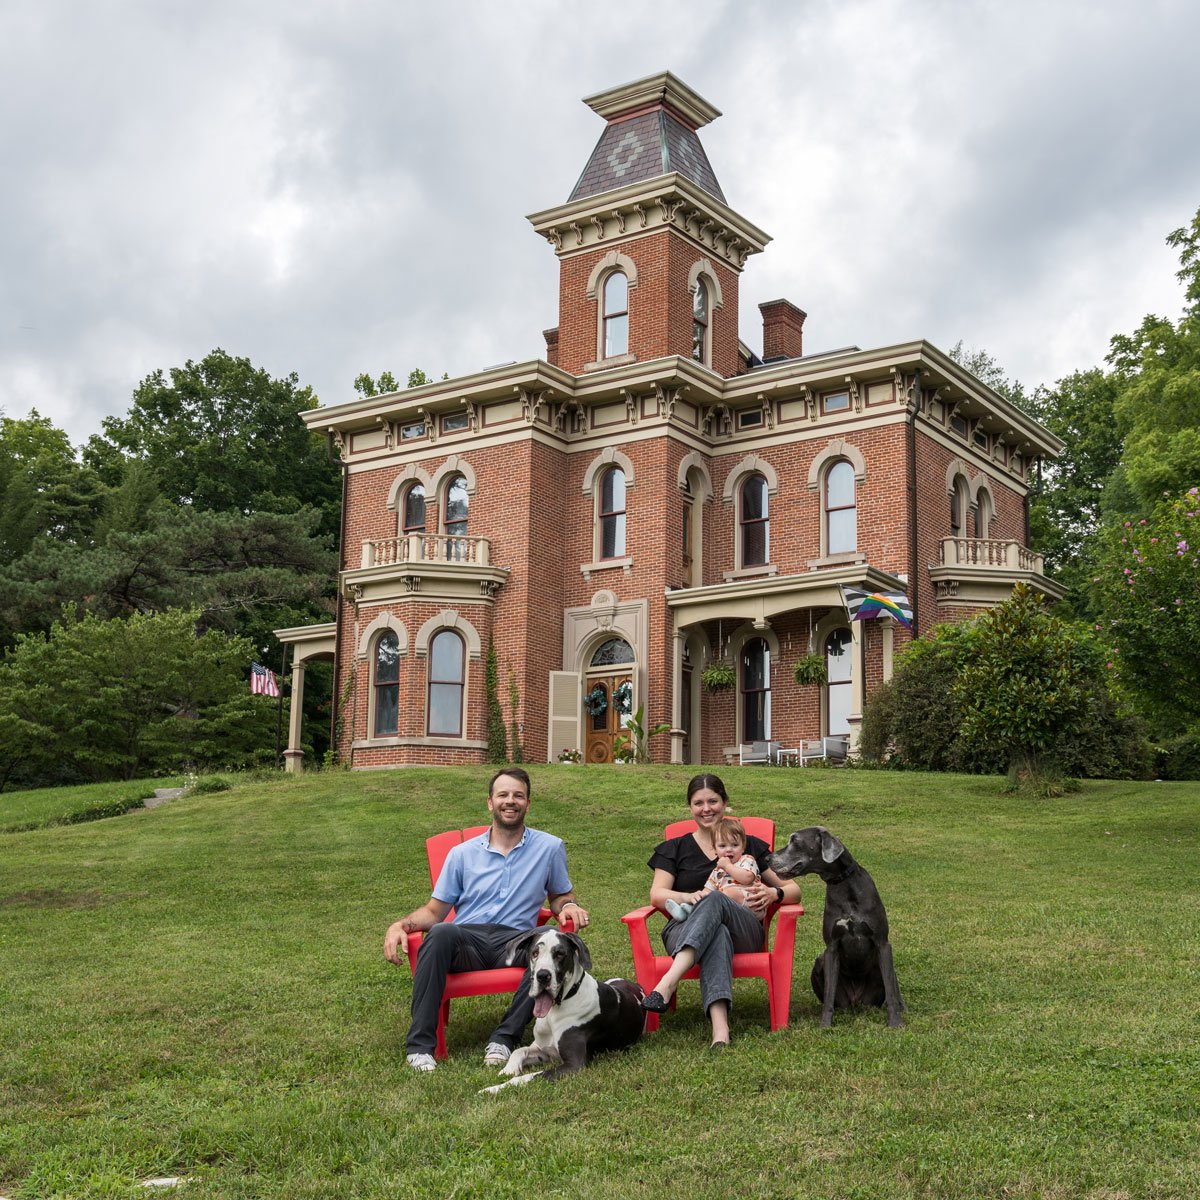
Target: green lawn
x: 200, y: 991
x: 67, y: 805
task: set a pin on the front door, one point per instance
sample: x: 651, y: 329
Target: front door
x: 607, y: 702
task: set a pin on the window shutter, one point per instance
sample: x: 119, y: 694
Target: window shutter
x: 564, y: 714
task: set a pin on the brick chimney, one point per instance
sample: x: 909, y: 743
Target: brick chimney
x: 783, y: 330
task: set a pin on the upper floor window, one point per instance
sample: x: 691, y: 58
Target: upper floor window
x: 455, y: 504
x: 700, y: 322
x: 756, y: 691
x: 616, y: 315
x: 446, y: 661
x: 960, y: 499
x: 835, y: 402
x: 612, y: 513
x: 754, y: 521
x: 841, y: 512
x: 386, y: 685
x: 412, y: 511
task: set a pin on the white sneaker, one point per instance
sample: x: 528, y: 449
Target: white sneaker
x: 496, y: 1055
x: 422, y: 1062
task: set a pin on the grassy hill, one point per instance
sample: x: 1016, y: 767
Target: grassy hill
x: 199, y: 991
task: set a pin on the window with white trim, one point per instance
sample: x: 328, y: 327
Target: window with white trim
x: 841, y: 509
x: 412, y: 509
x: 700, y: 307
x: 447, y: 660
x: 839, y: 689
x: 385, y: 685
x: 614, y: 338
x: 455, y: 506
x: 754, y: 522
x: 756, y: 691
x: 610, y: 514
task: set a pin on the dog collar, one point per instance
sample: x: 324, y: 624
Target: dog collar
x: 846, y: 873
x: 573, y: 989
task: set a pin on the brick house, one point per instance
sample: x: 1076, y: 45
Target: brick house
x: 653, y: 496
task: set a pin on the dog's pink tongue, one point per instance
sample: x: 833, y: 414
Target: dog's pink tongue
x: 543, y: 1002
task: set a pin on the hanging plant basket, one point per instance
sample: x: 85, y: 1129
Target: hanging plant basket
x: 718, y: 676
x: 811, y: 669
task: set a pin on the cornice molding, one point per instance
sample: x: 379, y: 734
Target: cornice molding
x: 665, y: 202
x: 661, y: 88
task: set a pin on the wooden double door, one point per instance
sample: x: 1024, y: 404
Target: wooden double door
x: 607, y: 701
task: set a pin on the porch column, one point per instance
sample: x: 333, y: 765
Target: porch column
x: 293, y: 756
x: 677, y: 733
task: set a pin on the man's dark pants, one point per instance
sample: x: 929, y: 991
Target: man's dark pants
x: 448, y: 947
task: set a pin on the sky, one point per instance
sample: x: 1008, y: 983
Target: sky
x: 332, y: 188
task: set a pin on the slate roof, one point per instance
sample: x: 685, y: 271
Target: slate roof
x: 642, y: 148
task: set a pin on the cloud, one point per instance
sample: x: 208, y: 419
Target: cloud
x: 331, y: 189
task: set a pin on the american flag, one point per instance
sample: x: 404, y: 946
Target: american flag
x: 262, y: 681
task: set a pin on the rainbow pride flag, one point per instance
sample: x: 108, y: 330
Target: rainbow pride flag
x: 866, y: 606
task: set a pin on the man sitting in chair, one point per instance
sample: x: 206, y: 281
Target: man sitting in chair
x: 496, y: 884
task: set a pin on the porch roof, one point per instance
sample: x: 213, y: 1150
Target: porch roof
x: 758, y: 600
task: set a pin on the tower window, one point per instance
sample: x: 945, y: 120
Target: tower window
x: 616, y: 315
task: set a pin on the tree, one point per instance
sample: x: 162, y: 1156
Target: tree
x: 1065, y: 513
x: 106, y: 699
x: 1148, y: 583
x: 1158, y: 408
x: 987, y: 370
x: 221, y: 435
x: 45, y: 494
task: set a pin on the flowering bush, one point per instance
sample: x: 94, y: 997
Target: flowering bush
x: 570, y: 755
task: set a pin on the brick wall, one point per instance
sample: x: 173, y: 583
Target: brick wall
x: 660, y: 307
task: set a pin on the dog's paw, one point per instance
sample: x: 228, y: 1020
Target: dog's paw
x: 491, y: 1091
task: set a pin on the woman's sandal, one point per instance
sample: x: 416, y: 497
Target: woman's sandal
x: 653, y: 1002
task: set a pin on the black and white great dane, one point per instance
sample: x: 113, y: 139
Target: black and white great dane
x: 578, y: 1017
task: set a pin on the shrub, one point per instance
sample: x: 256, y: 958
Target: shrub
x: 1180, y: 757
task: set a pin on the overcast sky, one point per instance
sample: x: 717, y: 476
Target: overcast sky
x: 329, y: 188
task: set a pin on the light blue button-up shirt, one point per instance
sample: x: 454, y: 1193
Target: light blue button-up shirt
x: 489, y: 888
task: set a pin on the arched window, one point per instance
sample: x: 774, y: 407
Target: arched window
x: 446, y: 660
x: 454, y: 517
x: 839, y: 689
x: 615, y: 652
x: 612, y: 513
x: 700, y: 322
x: 841, y: 512
x: 754, y: 522
x: 984, y: 511
x: 756, y: 691
x: 960, y: 499
x: 412, y: 509
x: 615, y: 334
x: 386, y: 685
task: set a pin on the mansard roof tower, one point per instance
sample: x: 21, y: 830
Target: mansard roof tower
x: 647, y: 201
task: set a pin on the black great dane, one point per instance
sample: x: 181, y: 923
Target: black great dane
x: 856, y: 967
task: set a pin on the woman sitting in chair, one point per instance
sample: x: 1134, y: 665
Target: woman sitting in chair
x: 717, y: 927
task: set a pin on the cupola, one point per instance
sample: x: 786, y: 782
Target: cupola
x: 650, y: 253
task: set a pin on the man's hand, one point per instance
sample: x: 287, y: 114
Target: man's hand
x: 577, y: 913
x: 397, y: 931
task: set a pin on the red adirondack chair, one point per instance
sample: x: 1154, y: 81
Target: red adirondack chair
x: 773, y: 964
x: 496, y: 982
